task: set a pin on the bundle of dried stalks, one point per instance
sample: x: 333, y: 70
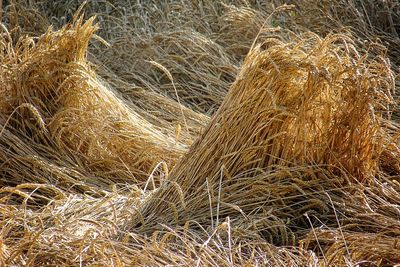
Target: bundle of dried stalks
x: 50, y: 80
x: 316, y: 104
x: 298, y: 167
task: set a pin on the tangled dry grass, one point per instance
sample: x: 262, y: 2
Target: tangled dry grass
x: 199, y: 133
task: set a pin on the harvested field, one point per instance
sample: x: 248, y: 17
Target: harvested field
x: 199, y: 133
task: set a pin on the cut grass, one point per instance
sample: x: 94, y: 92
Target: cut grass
x: 197, y: 134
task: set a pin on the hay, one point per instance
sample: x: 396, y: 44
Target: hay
x: 292, y: 105
x: 109, y: 157
x: 316, y: 106
x: 370, y: 21
x: 374, y: 25
x: 75, y: 110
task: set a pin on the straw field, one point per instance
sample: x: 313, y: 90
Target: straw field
x: 199, y: 133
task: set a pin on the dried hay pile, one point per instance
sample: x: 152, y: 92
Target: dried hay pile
x: 182, y: 134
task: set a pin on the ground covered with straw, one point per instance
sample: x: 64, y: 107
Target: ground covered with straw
x: 200, y: 133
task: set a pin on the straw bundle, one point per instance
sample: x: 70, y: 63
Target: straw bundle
x: 52, y: 79
x: 316, y: 104
x: 108, y: 156
x: 306, y: 103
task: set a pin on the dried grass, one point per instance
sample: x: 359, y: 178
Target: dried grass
x: 109, y: 157
x: 77, y: 111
